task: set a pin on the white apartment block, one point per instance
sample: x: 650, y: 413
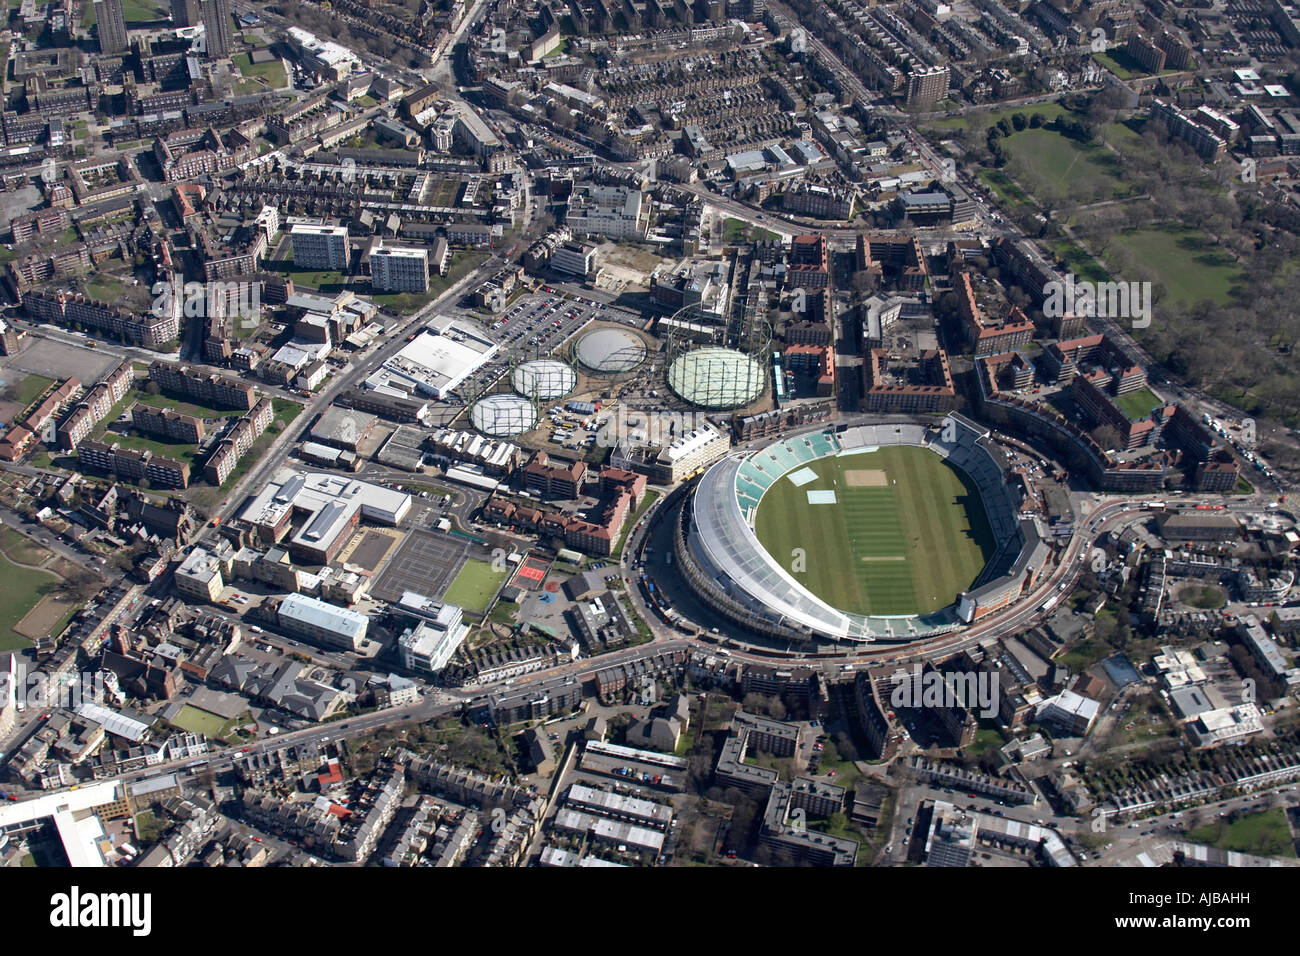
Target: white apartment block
x: 199, y: 576
x: 320, y: 247
x: 399, y: 269
x: 574, y: 258
x: 616, y: 212
x: 693, y: 451
x: 430, y: 644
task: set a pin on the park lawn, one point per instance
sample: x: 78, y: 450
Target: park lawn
x: 198, y: 721
x: 1261, y: 834
x: 684, y: 743
x: 272, y: 72
x: 178, y: 451
x: 320, y: 281
x: 22, y: 591
x: 907, y: 547
x: 1188, y: 265
x: 140, y: 11
x: 19, y: 547
x: 1066, y: 167
x: 985, y: 737
x: 1137, y: 405
x: 1008, y: 193
x: 475, y: 586
x: 1207, y: 597
x: 737, y: 230
x: 1077, y: 260
x: 163, y: 400
x: 982, y: 121
x: 31, y: 388
x: 733, y: 230
x: 1123, y: 136
x: 148, y: 828
x: 1111, y: 63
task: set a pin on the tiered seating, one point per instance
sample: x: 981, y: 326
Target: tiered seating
x: 910, y: 435
x: 823, y: 444
x: 756, y: 475
x: 852, y: 438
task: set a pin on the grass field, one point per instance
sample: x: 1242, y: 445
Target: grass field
x: 22, y: 591
x: 19, y: 547
x: 185, y: 408
x: 982, y: 121
x: 1189, y: 265
x: 104, y: 288
x: 474, y: 586
x: 272, y: 72
x: 908, y: 547
x: 1263, y: 834
x: 1068, y: 168
x: 737, y: 230
x: 1137, y: 405
x: 198, y: 721
x: 31, y: 387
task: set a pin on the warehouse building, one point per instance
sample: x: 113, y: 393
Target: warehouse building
x: 435, y: 362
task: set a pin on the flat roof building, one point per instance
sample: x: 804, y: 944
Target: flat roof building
x: 431, y: 642
x: 435, y: 362
x: 328, y: 507
x: 320, y: 247
x: 399, y: 269
x: 322, y: 623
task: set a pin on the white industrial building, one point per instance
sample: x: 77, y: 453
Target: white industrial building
x: 322, y: 56
x: 79, y: 828
x: 1220, y: 726
x: 617, y: 212
x: 1071, y: 711
x: 435, y: 362
x: 574, y: 258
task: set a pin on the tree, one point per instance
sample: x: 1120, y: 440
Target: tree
x: 1107, y: 437
x: 844, y: 744
x: 765, y: 705
x: 865, y: 282
x: 151, y: 388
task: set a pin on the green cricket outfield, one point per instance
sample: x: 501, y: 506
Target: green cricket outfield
x: 906, y: 534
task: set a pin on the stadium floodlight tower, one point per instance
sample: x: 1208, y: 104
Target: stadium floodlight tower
x: 714, y: 363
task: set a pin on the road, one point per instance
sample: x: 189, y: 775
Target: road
x: 274, y: 457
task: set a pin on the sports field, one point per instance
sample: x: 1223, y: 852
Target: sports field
x: 474, y: 586
x: 906, y: 534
